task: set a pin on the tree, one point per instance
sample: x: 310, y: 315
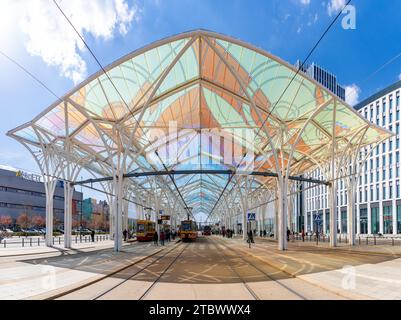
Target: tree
x: 5, y: 221
x: 23, y: 220
x: 38, y: 221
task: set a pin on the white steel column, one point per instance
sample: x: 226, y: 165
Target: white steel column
x: 125, y: 210
x: 351, y: 214
x: 118, y: 209
x: 282, y: 212
x: 68, y: 195
x: 276, y: 214
x: 50, y: 186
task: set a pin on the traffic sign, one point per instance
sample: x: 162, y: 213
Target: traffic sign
x: 251, y: 216
x: 318, y: 220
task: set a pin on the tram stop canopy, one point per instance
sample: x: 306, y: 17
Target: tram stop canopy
x: 196, y: 101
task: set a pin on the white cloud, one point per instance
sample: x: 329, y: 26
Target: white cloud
x: 352, y: 94
x: 335, y: 6
x: 305, y: 2
x: 50, y: 37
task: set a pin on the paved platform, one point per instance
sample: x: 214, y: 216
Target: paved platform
x: 43, y: 272
x: 211, y: 268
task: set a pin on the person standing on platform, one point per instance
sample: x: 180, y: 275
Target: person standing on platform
x: 125, y: 234
x: 303, y: 235
x: 162, y: 237
x: 93, y: 235
x: 264, y: 233
x: 156, y: 239
x: 288, y: 234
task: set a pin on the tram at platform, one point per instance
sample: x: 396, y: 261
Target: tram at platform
x: 145, y: 230
x: 188, y: 230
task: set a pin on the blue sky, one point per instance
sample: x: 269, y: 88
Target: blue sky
x: 286, y: 28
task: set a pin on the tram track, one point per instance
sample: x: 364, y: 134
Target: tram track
x: 289, y: 274
x: 269, y: 277
x: 116, y: 274
x: 247, y: 287
x: 163, y: 273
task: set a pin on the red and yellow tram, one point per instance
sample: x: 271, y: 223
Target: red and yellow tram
x: 188, y: 230
x: 145, y: 230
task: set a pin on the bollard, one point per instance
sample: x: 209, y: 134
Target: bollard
x: 367, y: 241
x: 38, y: 241
x: 30, y: 242
x: 5, y: 243
x: 392, y: 241
x: 374, y: 240
x: 23, y: 244
x: 53, y: 240
x: 76, y: 239
x: 359, y: 240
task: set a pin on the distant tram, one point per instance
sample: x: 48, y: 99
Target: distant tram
x: 145, y: 230
x: 188, y: 230
x: 207, y: 231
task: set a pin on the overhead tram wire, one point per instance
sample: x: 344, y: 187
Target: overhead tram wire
x: 31, y: 75
x: 285, y: 90
x: 118, y: 92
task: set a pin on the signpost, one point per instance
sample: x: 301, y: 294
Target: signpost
x: 251, y: 216
x: 318, y: 222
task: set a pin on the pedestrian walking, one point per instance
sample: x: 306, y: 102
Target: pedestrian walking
x: 288, y: 234
x: 162, y: 237
x: 125, y: 234
x: 93, y: 235
x: 155, y: 239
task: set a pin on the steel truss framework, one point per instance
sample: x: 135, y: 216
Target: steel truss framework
x: 210, y: 89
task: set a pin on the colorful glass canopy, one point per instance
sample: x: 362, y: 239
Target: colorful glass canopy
x: 199, y: 100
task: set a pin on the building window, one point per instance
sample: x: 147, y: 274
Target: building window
x: 387, y: 220
x: 384, y: 191
x: 374, y: 218
x: 377, y: 192
x: 344, y: 221
x: 398, y: 219
x: 363, y: 221
x: 384, y: 105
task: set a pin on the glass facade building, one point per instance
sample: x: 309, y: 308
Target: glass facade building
x: 324, y: 77
x: 378, y: 194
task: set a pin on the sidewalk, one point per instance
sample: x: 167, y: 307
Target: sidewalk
x: 43, y: 277
x: 42, y: 250
x: 374, y: 249
x: 355, y: 273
